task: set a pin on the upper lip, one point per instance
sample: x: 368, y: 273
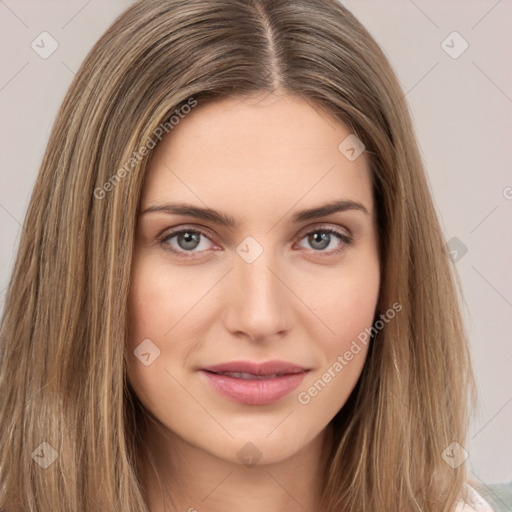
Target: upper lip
x: 253, y: 368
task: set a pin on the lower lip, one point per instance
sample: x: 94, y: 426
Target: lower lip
x: 256, y: 391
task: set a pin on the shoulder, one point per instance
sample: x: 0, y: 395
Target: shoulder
x: 473, y: 502
x: 497, y: 495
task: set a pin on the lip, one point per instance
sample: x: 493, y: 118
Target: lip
x: 272, y: 380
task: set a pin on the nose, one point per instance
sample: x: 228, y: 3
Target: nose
x: 258, y: 304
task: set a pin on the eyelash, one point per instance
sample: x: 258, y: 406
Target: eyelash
x: 163, y: 239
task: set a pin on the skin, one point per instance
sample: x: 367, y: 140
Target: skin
x: 258, y: 160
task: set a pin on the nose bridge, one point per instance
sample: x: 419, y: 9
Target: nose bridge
x: 259, y: 301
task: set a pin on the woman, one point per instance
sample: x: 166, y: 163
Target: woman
x: 231, y: 288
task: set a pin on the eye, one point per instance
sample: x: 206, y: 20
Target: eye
x: 188, y: 242
x: 185, y: 241
x: 327, y: 240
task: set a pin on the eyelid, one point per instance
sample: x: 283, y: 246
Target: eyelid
x: 167, y: 232
x: 341, y: 230
x: 206, y: 232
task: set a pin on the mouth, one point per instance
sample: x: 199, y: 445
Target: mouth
x: 251, y: 383
x: 251, y: 376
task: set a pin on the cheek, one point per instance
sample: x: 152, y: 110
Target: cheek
x: 344, y: 301
x: 161, y: 310
x: 148, y: 320
x: 157, y: 301
x: 351, y: 308
x: 346, y: 304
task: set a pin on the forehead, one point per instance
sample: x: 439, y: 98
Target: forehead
x: 263, y: 155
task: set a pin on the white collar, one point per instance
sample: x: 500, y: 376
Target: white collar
x: 473, y: 502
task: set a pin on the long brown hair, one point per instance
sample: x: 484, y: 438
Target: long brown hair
x: 62, y: 376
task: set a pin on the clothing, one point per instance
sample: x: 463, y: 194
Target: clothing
x: 473, y: 502
x: 499, y: 496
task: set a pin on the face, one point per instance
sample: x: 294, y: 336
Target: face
x: 256, y: 268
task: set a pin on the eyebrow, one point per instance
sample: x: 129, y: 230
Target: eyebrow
x: 223, y: 219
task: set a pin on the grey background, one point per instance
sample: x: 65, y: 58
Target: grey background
x: 462, y: 112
